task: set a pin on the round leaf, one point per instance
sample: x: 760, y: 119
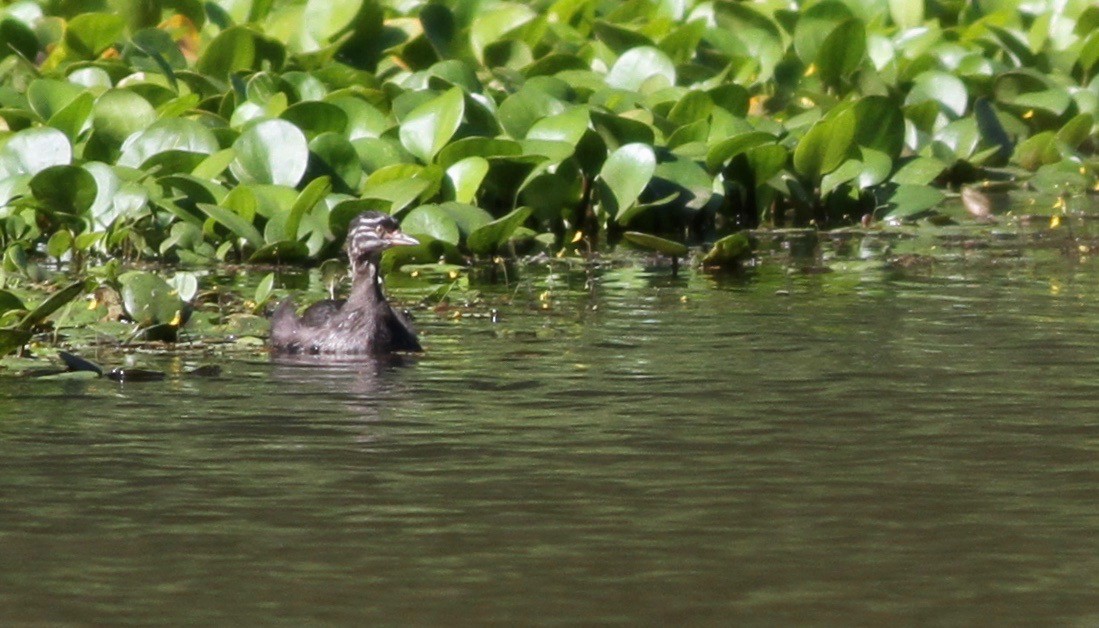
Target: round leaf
x: 431, y: 220
x: 430, y: 126
x: 640, y: 65
x: 148, y: 299
x: 167, y: 135
x: 31, y: 151
x: 68, y: 189
x: 271, y: 151
x: 118, y: 113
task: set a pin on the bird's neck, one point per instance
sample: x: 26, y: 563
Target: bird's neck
x: 366, y: 285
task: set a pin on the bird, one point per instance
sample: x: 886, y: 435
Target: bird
x: 362, y: 324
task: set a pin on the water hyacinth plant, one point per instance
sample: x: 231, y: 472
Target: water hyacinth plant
x: 197, y: 132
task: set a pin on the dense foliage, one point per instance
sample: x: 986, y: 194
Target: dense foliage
x: 253, y: 130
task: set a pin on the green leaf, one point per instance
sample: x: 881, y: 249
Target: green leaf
x: 149, y: 300
x: 31, y: 151
x: 433, y: 221
x: 520, y: 112
x: 55, y: 302
x: 170, y: 134
x: 312, y: 194
x: 487, y: 239
x: 316, y: 117
x: 1076, y: 130
x: 842, y: 53
x: 46, y: 97
x: 918, y: 171
x: 331, y: 155
x: 68, y: 189
x: 847, y: 171
x: 13, y: 339
x: 815, y: 24
x: 907, y: 202
x: 946, y: 89
x: 658, y: 244
x: 745, y: 32
x: 642, y: 66
x: 237, y: 49
x: 625, y: 174
x: 729, y: 252
x: 728, y: 148
x: 879, y: 125
x: 9, y: 302
x: 19, y: 39
x: 430, y: 126
x: 825, y: 146
x: 469, y: 218
x: 906, y: 14
x: 118, y: 113
x: 271, y: 151
x: 87, y: 35
x: 264, y: 289
x: 491, y: 26
x: 1037, y: 150
x: 235, y: 223
x: 59, y: 243
x: 466, y: 177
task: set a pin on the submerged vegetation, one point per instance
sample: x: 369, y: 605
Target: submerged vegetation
x: 198, y: 133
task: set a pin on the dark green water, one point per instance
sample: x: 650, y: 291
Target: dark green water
x: 857, y: 448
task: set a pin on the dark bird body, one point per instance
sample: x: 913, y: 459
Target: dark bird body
x: 362, y: 324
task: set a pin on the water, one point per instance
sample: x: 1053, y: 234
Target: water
x: 855, y: 447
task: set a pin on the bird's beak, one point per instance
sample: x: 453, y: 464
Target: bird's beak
x: 400, y: 238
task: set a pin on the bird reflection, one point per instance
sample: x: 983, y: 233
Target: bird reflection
x: 362, y: 384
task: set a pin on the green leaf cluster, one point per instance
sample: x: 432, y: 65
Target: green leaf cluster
x: 254, y: 130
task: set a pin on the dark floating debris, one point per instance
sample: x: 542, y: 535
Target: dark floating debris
x: 77, y: 363
x: 122, y: 374
x: 205, y: 370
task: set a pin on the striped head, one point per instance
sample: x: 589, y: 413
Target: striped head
x: 370, y: 233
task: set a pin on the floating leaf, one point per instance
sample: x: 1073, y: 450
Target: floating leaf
x: 13, y: 339
x: 728, y: 252
x: 655, y: 243
x: 149, y: 300
x: 53, y: 303
x: 907, y: 202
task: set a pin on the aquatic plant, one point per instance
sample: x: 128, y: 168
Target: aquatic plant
x: 196, y: 132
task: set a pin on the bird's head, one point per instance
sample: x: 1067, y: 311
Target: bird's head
x: 369, y: 234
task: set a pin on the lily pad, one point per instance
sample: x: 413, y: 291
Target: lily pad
x: 149, y: 300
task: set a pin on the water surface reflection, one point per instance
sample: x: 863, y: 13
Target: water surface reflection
x: 852, y: 448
